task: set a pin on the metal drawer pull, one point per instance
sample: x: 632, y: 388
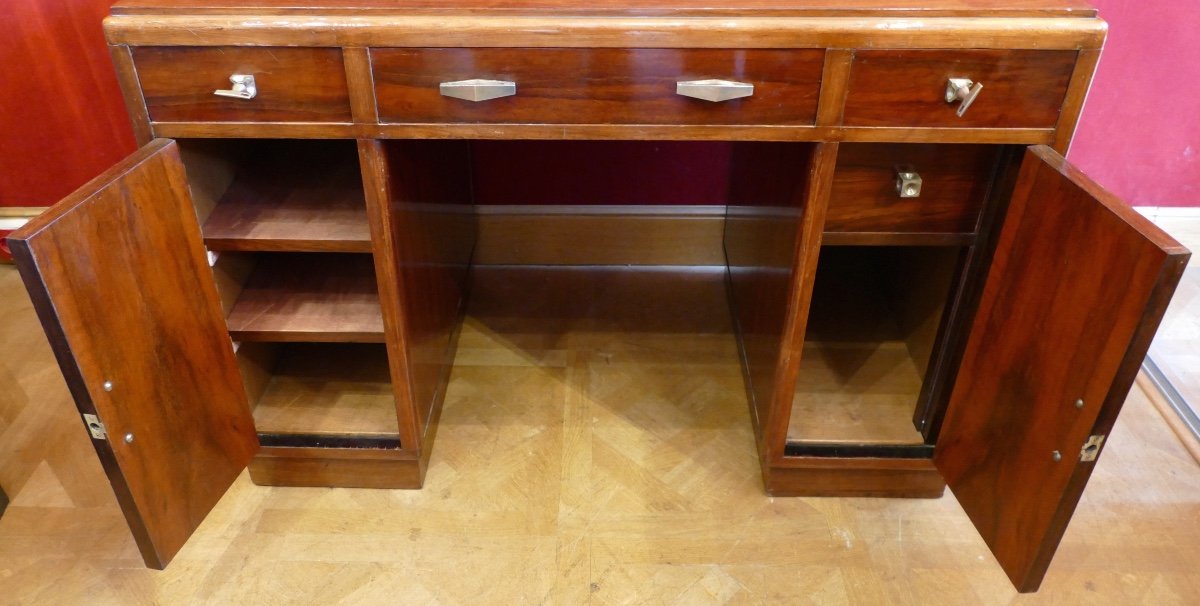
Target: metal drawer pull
x: 478, y: 90
x: 243, y: 87
x: 714, y: 90
x: 908, y: 182
x: 962, y: 89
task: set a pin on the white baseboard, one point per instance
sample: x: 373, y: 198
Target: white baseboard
x: 1169, y: 211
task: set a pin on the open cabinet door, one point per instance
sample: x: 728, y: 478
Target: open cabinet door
x: 1076, y: 290
x: 121, y: 283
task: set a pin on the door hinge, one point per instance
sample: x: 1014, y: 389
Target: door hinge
x: 95, y: 427
x: 1091, y: 448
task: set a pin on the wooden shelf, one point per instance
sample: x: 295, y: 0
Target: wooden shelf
x: 339, y: 389
x: 311, y: 297
x: 313, y: 202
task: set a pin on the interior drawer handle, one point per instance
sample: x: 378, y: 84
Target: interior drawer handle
x: 243, y: 87
x: 478, y: 90
x: 908, y: 182
x: 962, y: 89
x: 714, y: 90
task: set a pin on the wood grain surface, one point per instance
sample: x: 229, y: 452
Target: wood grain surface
x: 294, y: 84
x: 329, y: 390
x: 954, y: 179
x: 1077, y: 287
x: 297, y: 198
x: 317, y: 297
x: 603, y: 86
x: 922, y: 8
x: 1021, y: 88
x: 123, y: 289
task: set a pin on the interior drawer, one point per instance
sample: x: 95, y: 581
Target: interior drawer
x: 597, y: 86
x: 1021, y: 88
x: 292, y: 84
x: 954, y: 181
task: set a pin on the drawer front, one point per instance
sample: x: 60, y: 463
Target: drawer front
x: 597, y: 86
x: 954, y: 180
x: 1021, y: 89
x: 292, y: 84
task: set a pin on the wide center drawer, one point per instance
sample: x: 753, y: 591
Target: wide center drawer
x: 598, y: 86
x: 180, y: 84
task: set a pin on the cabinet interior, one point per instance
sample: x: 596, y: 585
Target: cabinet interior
x: 285, y: 223
x: 873, y: 326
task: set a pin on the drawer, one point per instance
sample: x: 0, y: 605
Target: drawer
x: 1021, y: 89
x: 954, y: 181
x: 292, y: 84
x: 597, y: 86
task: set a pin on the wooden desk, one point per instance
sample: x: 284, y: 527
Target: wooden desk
x: 921, y: 299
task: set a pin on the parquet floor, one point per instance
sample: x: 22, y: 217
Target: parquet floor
x: 594, y: 457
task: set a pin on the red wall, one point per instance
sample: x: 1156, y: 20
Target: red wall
x: 1140, y: 131
x: 62, y: 120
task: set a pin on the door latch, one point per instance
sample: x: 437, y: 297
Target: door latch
x: 95, y: 427
x: 1091, y: 448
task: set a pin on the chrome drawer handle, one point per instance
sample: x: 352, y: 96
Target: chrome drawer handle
x: 478, y: 90
x: 714, y: 90
x: 243, y: 87
x: 962, y: 89
x: 908, y: 182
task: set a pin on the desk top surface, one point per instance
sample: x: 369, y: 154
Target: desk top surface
x: 924, y: 8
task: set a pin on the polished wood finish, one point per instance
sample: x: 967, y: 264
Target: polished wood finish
x: 361, y: 84
x: 618, y: 132
x: 768, y: 219
x: 314, y: 297
x: 924, y: 8
x: 167, y: 346
x: 1021, y: 88
x: 135, y: 102
x: 330, y: 470
x: 548, y: 30
x: 607, y: 86
x: 294, y: 84
x: 834, y: 78
x: 581, y: 238
x: 298, y: 199
x: 425, y: 198
x: 1078, y: 285
x: 856, y: 477
x: 954, y: 183
x: 328, y: 390
x: 1081, y: 83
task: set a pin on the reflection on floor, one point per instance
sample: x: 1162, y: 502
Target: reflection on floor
x: 1176, y: 347
x: 601, y: 453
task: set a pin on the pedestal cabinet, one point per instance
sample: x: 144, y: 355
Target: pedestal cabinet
x: 925, y: 293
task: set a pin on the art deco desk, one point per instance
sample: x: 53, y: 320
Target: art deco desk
x: 304, y: 206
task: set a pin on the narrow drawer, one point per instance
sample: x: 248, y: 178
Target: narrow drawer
x: 1021, y: 88
x: 954, y: 180
x: 292, y: 84
x: 597, y: 86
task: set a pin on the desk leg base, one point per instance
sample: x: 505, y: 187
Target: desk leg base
x: 854, y: 477
x: 273, y: 469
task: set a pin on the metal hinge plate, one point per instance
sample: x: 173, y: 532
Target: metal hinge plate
x: 95, y: 427
x: 1091, y: 448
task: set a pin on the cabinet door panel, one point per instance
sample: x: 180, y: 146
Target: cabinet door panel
x: 122, y: 286
x: 1077, y: 287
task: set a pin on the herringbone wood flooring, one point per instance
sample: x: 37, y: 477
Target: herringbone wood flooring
x: 599, y: 453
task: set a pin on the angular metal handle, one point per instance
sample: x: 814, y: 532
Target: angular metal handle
x: 243, y: 87
x: 962, y: 89
x: 714, y: 90
x: 478, y: 90
x: 908, y: 182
